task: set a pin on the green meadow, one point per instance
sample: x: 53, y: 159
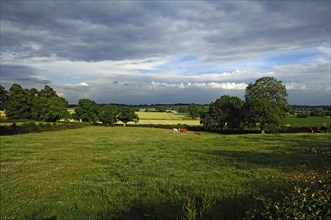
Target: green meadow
x: 147, y: 173
x: 310, y: 121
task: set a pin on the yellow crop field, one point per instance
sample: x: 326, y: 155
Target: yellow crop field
x: 165, y: 118
x: 160, y: 116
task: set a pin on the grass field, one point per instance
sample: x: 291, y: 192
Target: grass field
x: 310, y: 121
x: 143, y: 173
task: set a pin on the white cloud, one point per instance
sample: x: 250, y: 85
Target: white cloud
x: 295, y: 86
x: 210, y: 85
x: 83, y: 84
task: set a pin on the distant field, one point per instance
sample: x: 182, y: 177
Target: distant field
x: 312, y: 121
x: 165, y: 118
x: 139, y: 173
x: 161, y: 116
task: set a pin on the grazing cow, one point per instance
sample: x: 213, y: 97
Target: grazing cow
x: 197, y: 133
x: 175, y: 130
x: 182, y: 130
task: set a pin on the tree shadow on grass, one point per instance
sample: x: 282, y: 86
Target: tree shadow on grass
x: 284, y: 161
x: 229, y: 207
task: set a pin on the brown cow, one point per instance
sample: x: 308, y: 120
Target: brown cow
x: 182, y: 130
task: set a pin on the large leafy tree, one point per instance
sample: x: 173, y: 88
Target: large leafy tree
x: 87, y: 111
x: 126, y: 115
x: 108, y: 114
x: 266, y: 104
x: 4, y: 97
x: 45, y: 105
x: 224, y: 112
x: 54, y: 109
x: 20, y: 102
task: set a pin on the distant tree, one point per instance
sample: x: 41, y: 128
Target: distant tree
x: 4, y: 97
x: 126, y: 115
x: 265, y: 103
x: 194, y: 111
x: 227, y: 111
x: 317, y: 112
x: 160, y: 108
x: 19, y: 104
x: 303, y: 114
x: 86, y: 110
x: 108, y: 114
x: 182, y: 109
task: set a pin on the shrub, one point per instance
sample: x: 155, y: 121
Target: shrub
x: 33, y: 127
x: 303, y: 115
x: 307, y: 196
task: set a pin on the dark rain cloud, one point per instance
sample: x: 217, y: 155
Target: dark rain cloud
x: 103, y: 30
x: 24, y: 75
x: 217, y: 32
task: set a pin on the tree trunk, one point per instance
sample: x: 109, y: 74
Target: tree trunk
x: 262, y: 127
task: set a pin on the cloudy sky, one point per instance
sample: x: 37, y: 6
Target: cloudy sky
x: 145, y: 52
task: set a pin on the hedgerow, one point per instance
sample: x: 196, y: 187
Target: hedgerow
x: 33, y: 127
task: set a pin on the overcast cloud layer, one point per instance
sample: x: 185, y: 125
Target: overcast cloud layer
x: 144, y: 52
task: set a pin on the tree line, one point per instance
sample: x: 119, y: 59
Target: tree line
x: 265, y: 105
x: 46, y: 105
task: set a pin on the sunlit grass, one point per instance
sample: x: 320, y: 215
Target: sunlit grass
x: 310, y: 121
x: 117, y: 172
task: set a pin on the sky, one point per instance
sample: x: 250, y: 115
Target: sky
x: 150, y: 52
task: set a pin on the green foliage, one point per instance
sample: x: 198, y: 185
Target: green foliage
x: 224, y: 112
x: 160, y: 108
x: 20, y: 103
x: 302, y: 114
x: 318, y: 113
x: 127, y: 114
x: 55, y: 108
x: 304, y: 196
x: 32, y: 127
x: 4, y: 97
x: 265, y: 103
x: 87, y: 111
x: 45, y: 105
x: 108, y: 114
x: 194, y: 111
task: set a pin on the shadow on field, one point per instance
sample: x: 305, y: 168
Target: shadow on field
x: 193, y: 207
x: 285, y: 161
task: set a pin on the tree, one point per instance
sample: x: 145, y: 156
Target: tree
x: 160, y: 108
x: 55, y: 108
x: 86, y: 110
x: 45, y: 105
x: 227, y: 111
x: 4, y: 97
x: 265, y: 103
x: 194, y: 111
x: 19, y: 104
x: 108, y: 114
x: 126, y: 115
